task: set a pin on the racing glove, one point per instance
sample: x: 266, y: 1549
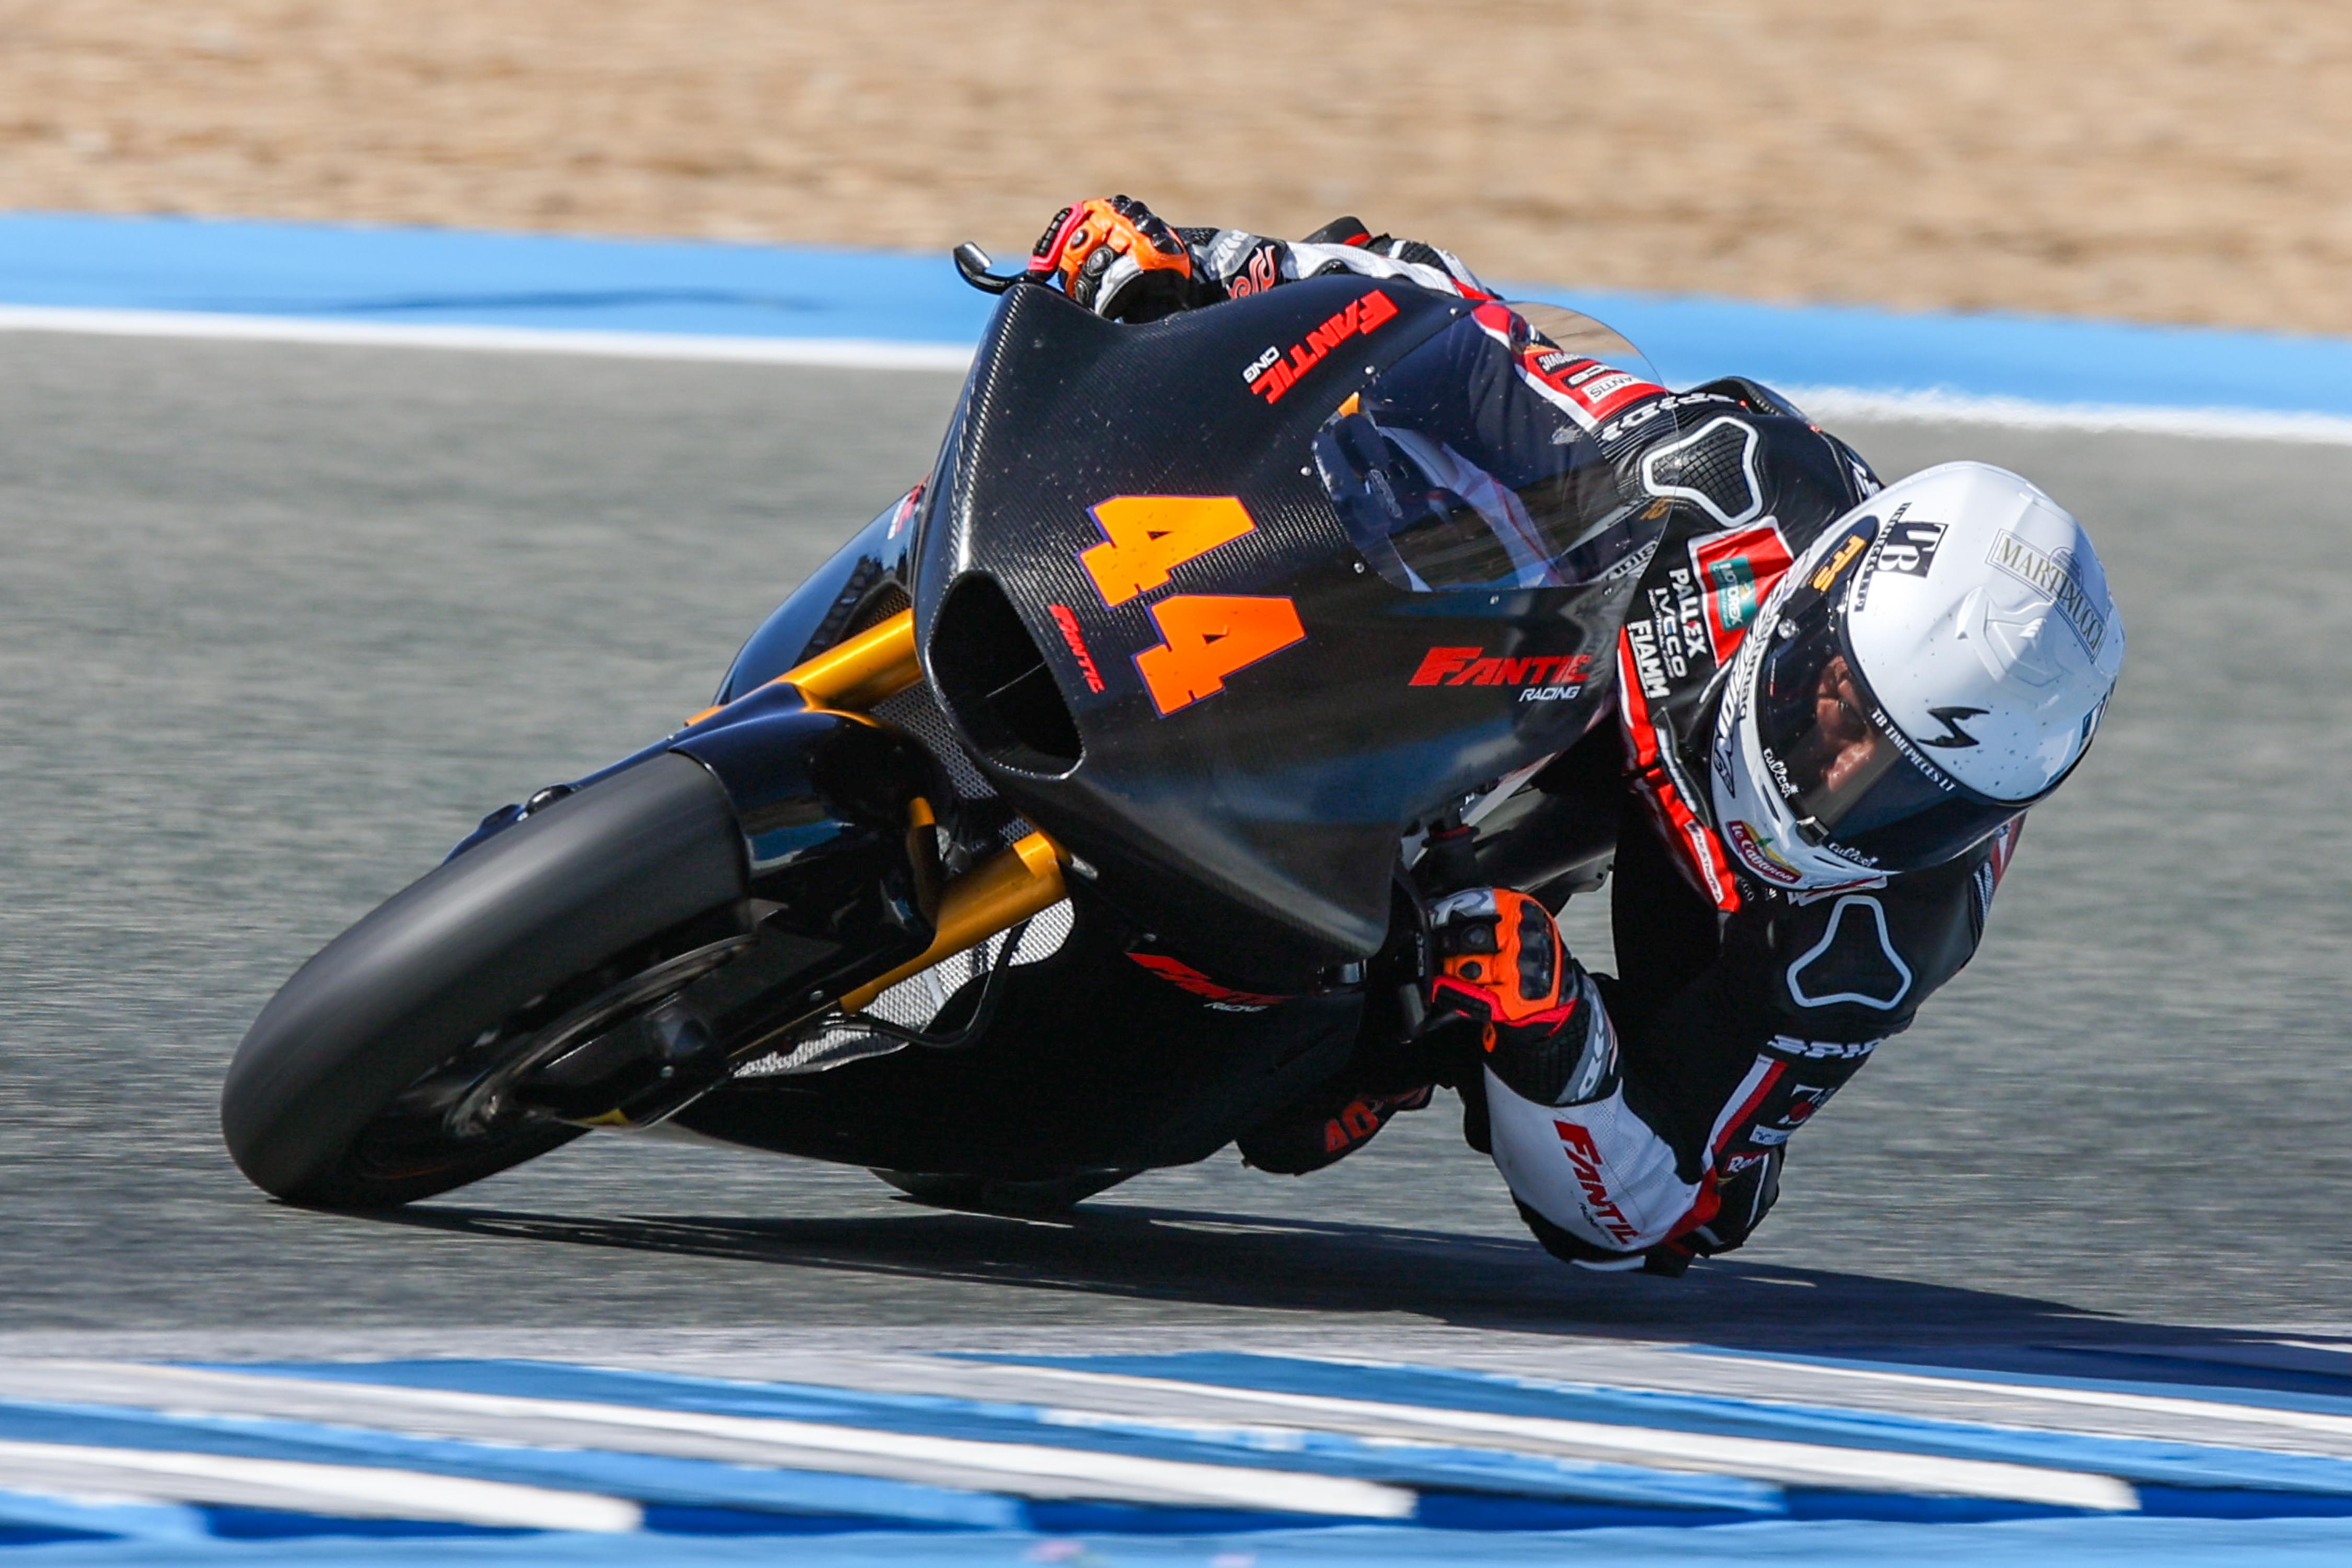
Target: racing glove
x: 1501, y: 963
x: 1120, y: 260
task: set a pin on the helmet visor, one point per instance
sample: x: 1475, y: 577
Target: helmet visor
x: 1853, y: 781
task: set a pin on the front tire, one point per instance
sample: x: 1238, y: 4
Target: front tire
x: 330, y: 1099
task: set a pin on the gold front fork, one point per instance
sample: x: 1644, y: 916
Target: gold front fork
x: 995, y: 895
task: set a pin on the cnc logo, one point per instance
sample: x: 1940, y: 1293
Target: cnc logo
x: 1758, y: 856
x: 1541, y: 677
x: 1584, y: 1158
x: 1270, y: 375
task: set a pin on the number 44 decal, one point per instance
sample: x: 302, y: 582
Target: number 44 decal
x: 1205, y: 637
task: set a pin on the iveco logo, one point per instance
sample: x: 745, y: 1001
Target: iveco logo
x: 1954, y: 737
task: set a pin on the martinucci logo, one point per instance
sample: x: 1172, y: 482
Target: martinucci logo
x: 2054, y: 577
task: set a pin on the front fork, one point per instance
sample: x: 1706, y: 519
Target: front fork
x: 993, y: 896
x: 812, y: 780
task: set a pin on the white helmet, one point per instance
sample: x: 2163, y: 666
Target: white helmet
x: 1934, y: 663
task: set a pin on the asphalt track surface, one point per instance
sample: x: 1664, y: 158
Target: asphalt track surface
x: 277, y: 623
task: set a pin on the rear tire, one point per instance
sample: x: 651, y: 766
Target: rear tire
x: 322, y: 1102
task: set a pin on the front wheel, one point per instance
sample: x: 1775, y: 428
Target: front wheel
x: 376, y: 1076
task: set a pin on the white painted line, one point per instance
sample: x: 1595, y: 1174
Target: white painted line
x: 1830, y: 403
x: 1827, y: 403
x: 1761, y: 1458
x: 846, y: 354
x: 350, y: 1491
x: 1036, y: 1469
x: 2202, y: 1410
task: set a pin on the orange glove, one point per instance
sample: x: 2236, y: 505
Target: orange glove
x: 1117, y: 258
x: 1501, y: 962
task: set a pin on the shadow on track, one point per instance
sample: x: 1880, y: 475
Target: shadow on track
x: 1326, y: 1266
x: 1368, y: 1272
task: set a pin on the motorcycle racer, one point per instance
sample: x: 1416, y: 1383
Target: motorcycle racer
x: 1836, y: 702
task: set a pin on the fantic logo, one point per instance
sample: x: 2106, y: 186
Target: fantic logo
x: 1270, y: 375
x: 1584, y: 1158
x: 1760, y: 858
x: 2054, y: 577
x: 1541, y: 677
x: 1067, y: 620
x: 1185, y: 977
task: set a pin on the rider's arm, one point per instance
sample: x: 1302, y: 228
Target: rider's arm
x: 1116, y: 258
x: 1721, y: 1039
x: 1241, y: 263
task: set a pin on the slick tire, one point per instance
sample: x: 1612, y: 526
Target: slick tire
x: 587, y: 881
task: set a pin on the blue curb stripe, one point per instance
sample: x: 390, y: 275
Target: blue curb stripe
x: 2057, y: 1544
x: 324, y: 272
x: 452, y: 277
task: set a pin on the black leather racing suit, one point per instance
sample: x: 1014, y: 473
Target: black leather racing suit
x: 1743, y: 1001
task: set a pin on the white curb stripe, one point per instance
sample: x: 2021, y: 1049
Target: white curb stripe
x: 846, y: 354
x: 300, y: 1487
x: 1762, y: 1459
x: 1035, y: 1469
x: 1828, y: 403
x: 2201, y: 1410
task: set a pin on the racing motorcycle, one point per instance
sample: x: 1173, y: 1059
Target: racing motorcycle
x: 1083, y: 810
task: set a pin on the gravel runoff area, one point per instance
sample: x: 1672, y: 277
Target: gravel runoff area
x: 2184, y: 162
x: 277, y: 623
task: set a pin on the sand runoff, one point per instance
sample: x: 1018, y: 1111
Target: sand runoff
x: 2182, y: 162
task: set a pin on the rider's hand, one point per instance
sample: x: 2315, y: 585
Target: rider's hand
x: 1117, y: 258
x: 1500, y: 962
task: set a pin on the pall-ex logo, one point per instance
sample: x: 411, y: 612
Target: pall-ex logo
x: 1541, y: 677
x: 2052, y: 576
x: 1270, y: 375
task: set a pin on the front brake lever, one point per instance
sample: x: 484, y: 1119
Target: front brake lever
x: 972, y: 264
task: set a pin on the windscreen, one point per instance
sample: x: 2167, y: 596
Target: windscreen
x: 1459, y: 467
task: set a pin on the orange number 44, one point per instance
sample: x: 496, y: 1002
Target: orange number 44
x: 1209, y: 636
x: 1145, y: 537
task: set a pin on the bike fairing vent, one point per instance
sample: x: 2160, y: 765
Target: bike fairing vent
x: 1847, y: 775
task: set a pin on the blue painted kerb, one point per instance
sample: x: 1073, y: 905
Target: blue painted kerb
x: 459, y: 276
